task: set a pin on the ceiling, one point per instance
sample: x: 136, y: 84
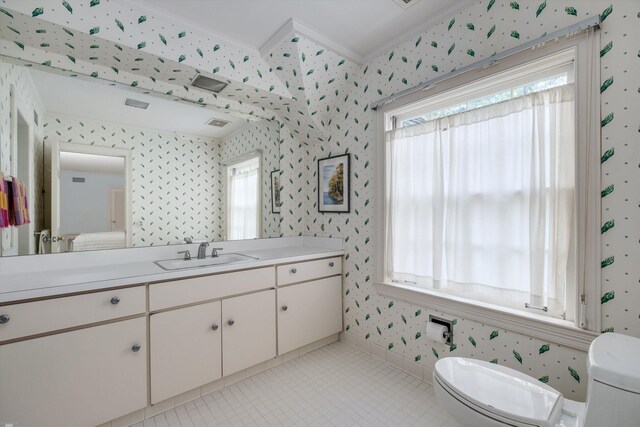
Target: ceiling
x: 360, y: 29
x: 105, y: 103
x: 91, y: 163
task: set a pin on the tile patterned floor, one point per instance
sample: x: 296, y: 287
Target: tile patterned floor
x: 336, y: 385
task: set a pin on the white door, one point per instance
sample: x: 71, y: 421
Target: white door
x: 55, y: 197
x: 185, y: 349
x: 116, y: 209
x: 80, y: 378
x: 249, y: 331
x: 309, y: 312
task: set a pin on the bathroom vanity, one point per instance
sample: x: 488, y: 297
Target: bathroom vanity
x: 86, y: 345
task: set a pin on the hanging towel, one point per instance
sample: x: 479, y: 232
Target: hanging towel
x: 18, y: 206
x: 43, y: 238
x: 4, y: 202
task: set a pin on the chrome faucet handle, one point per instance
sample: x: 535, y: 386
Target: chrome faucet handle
x: 187, y: 255
x: 214, y: 252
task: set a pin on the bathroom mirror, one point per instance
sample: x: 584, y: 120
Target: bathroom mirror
x: 107, y: 167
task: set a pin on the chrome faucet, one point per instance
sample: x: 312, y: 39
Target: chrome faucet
x: 214, y: 252
x: 187, y: 255
x: 202, y: 250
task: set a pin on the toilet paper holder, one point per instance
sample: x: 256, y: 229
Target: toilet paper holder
x: 446, y: 323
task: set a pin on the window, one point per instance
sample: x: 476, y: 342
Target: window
x: 484, y: 197
x: 243, y: 199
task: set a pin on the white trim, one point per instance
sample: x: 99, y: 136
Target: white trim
x: 295, y: 26
x: 545, y: 328
x: 428, y: 25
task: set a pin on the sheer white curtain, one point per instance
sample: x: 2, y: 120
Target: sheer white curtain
x: 243, y: 201
x: 481, y: 203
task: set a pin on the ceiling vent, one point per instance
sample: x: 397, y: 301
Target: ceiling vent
x: 209, y: 84
x: 217, y: 123
x: 136, y: 104
x: 406, y: 4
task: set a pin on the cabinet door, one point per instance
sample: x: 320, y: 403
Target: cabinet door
x: 80, y: 378
x: 249, y: 330
x: 309, y: 312
x: 185, y: 349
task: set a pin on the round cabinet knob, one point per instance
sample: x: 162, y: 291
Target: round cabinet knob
x: 115, y: 300
x: 294, y: 270
x: 285, y: 308
x: 231, y: 322
x: 135, y: 348
x: 214, y: 326
x: 331, y: 264
x: 4, y: 318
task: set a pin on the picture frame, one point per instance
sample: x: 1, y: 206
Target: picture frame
x: 334, y: 184
x: 276, y: 201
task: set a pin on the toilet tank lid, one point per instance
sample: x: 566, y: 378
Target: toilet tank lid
x: 613, y: 360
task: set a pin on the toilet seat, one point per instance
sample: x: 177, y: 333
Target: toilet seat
x: 498, y: 392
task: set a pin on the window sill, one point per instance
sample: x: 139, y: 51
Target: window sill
x: 542, y: 327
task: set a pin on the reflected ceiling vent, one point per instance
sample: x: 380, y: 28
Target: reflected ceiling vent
x: 209, y: 84
x: 406, y: 4
x: 136, y: 104
x: 217, y: 123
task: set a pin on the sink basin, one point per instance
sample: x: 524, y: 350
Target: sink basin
x: 222, y: 259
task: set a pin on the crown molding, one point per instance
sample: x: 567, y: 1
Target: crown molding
x: 414, y: 32
x: 296, y: 27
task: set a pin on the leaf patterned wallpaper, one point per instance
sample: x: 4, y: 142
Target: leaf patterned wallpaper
x: 263, y: 136
x: 324, y: 111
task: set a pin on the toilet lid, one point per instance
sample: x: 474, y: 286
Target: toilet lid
x: 613, y: 360
x: 500, y: 390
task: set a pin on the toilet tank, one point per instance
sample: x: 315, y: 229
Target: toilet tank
x: 613, y: 391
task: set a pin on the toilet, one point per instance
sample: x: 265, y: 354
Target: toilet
x: 479, y: 394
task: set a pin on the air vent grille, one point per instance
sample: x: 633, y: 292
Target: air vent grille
x: 406, y: 4
x: 136, y: 104
x: 217, y: 123
x: 206, y: 83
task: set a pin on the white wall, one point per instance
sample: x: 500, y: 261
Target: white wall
x: 84, y: 206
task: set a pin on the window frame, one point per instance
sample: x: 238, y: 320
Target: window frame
x: 228, y: 167
x: 587, y: 324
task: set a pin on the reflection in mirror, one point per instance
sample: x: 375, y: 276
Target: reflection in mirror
x: 68, y: 139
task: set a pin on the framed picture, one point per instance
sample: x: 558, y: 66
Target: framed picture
x: 333, y: 184
x: 276, y: 202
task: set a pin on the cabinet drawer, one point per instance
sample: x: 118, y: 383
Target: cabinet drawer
x: 39, y: 317
x: 292, y: 273
x: 189, y: 291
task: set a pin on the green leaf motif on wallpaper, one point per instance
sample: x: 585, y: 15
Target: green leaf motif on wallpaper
x: 295, y: 40
x: 490, y: 5
x: 574, y: 374
x: 514, y: 5
x: 515, y: 34
x: 607, y: 262
x: 182, y: 34
x: 607, y: 297
x: 608, y: 190
x: 493, y: 335
x: 434, y: 44
x: 606, y: 49
x: 71, y: 58
x: 142, y: 45
x: 390, y: 346
x: 453, y: 46
x: 491, y: 31
x: 607, y: 155
x: 435, y: 352
x: 418, y: 313
x: 6, y: 12
x: 67, y: 6
x: 472, y: 341
x: 606, y: 120
x: 471, y: 27
x: 605, y: 13
x: 608, y: 330
x: 404, y: 341
x: 417, y: 358
x: 41, y: 31
x: 200, y: 52
x: 571, y: 11
x: 453, y: 348
x: 390, y: 325
x: 94, y: 74
x: 115, y: 70
x: 119, y: 24
x: 418, y: 335
x: 134, y: 83
x: 142, y: 19
x: 544, y: 379
x: 379, y: 331
x: 44, y: 45
x: 94, y: 30
x: 20, y: 45
x: 94, y: 3
x: 544, y: 349
x: 37, y: 12
x: 404, y: 319
x: 517, y: 356
x: 68, y: 32
x: 216, y: 48
x: 471, y: 52
x: 605, y: 85
x: 494, y: 361
x: 418, y: 64
x: 47, y: 63
x: 418, y: 41
x: 434, y: 68
x: 607, y: 226
x: 541, y: 8
x: 390, y: 304
x: 453, y: 21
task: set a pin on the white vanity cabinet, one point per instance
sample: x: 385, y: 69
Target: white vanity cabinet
x: 312, y: 308
x: 249, y: 330
x: 79, y: 378
x: 185, y: 348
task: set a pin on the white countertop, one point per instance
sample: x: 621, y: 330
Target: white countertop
x: 140, y: 269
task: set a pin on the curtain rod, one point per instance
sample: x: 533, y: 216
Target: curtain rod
x: 594, y: 21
